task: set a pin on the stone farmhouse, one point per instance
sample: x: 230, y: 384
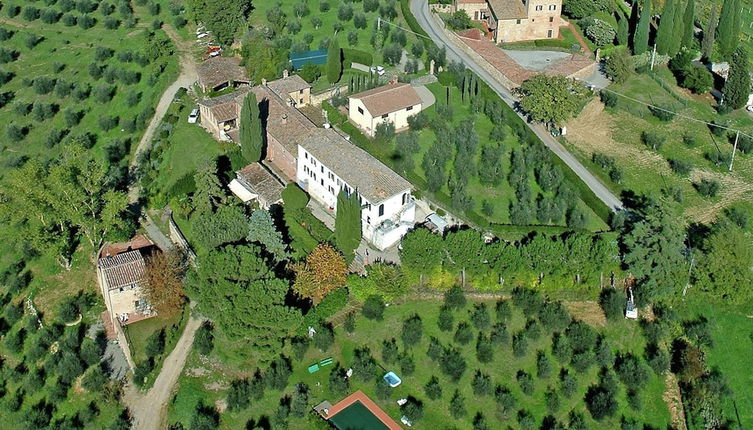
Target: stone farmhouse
x: 393, y: 102
x: 218, y: 73
x: 515, y: 20
x: 285, y: 124
x: 256, y: 183
x: 328, y: 163
x: 120, y: 272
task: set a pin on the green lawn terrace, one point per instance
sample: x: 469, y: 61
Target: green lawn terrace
x: 207, y: 378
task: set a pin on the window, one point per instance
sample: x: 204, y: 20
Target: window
x: 409, y: 108
x: 360, y: 111
x: 551, y: 19
x: 405, y: 198
x: 539, y: 8
x: 384, y: 116
x: 549, y: 33
x: 517, y: 22
x: 306, y: 155
x: 322, y: 168
x: 301, y: 91
x: 552, y: 7
x: 300, y: 101
x: 368, y: 220
x: 381, y: 209
x: 322, y: 181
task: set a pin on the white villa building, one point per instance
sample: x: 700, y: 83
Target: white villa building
x: 328, y: 163
x: 393, y: 102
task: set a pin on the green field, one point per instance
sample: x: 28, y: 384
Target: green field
x: 617, y: 132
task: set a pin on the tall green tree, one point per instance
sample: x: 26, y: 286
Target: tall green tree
x: 688, y: 21
x: 679, y: 29
x: 348, y: 224
x: 653, y: 246
x: 709, y: 33
x: 252, y: 134
x: 665, y: 34
x: 334, y: 62
x: 623, y: 31
x: 263, y: 231
x: 737, y: 88
x: 728, y: 30
x: 234, y: 287
x: 209, y: 194
x: 640, y: 36
x: 551, y: 99
x: 725, y: 268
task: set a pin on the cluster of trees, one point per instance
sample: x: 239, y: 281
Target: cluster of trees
x: 571, y: 259
x: 42, y: 361
x: 223, y: 18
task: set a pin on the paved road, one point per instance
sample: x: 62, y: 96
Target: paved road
x: 420, y: 10
x: 149, y: 409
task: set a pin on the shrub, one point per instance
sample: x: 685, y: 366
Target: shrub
x: 631, y: 371
x: 463, y: 334
x: 680, y: 167
x: 608, y: 98
x: 454, y: 298
x: 528, y: 300
x: 481, y: 384
x: 433, y: 388
x: 525, y: 381
x: 86, y: 22
x: 708, y: 187
x: 15, y: 133
x: 698, y: 80
x: 324, y: 337
x: 612, y: 303
x: 32, y: 40
x: 30, y: 13
x: 568, y: 383
x: 619, y: 66
x: 543, y: 365
x: 484, y: 349
x: 664, y: 113
x: 204, y: 339
x: 50, y: 16
x: 294, y: 198
x: 373, y: 308
x: 155, y: 344
x: 384, y: 131
x: 653, y: 140
x: 238, y: 396
x: 69, y: 20
x: 412, y: 331
x: 519, y: 344
x: 111, y: 23
x: 7, y: 55
x: 452, y: 363
x: 407, y: 364
x: 599, y: 31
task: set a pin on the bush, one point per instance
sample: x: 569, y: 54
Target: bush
x: 698, y: 80
x: 463, y: 334
x: 612, y: 303
x: 708, y: 187
x: 454, y: 298
x: 608, y: 98
x: 664, y: 113
x: 680, y: 167
x: 481, y: 384
x: 452, y: 364
x: 412, y: 331
x: 294, y: 197
x: 433, y: 388
x: 653, y: 140
x: 619, y: 66
x: 373, y: 308
x: 525, y: 381
x: 155, y: 344
x: 351, y: 55
x: 599, y: 31
x: 86, y: 22
x: 30, y: 13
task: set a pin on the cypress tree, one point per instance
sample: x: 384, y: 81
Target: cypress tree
x: 737, y: 87
x: 252, y: 135
x: 622, y: 31
x: 666, y: 29
x: 678, y: 31
x: 728, y: 30
x: 640, y: 37
x: 688, y: 21
x: 348, y: 224
x: 334, y: 62
x: 709, y: 33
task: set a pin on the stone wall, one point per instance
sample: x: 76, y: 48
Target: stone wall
x: 496, y: 74
x: 177, y: 237
x: 317, y: 99
x: 442, y: 8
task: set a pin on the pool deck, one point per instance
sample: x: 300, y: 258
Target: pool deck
x: 359, y: 396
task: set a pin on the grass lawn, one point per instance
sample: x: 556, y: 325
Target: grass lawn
x: 207, y: 380
x: 732, y: 353
x: 617, y: 132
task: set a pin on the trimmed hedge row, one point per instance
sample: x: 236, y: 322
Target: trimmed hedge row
x: 351, y: 55
x: 331, y: 304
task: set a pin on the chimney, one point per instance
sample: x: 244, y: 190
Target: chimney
x: 285, y: 73
x: 284, y: 118
x: 263, y: 82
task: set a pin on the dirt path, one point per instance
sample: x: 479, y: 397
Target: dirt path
x: 149, y: 409
x: 186, y: 79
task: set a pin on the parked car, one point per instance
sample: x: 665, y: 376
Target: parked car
x: 193, y: 116
x: 379, y: 70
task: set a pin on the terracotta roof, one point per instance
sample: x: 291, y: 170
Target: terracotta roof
x: 283, y: 87
x: 123, y: 269
x: 388, y: 98
x: 373, y: 180
x: 284, y: 123
x: 137, y: 242
x: 226, y: 106
x: 508, y: 9
x: 218, y: 70
x: 260, y: 181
